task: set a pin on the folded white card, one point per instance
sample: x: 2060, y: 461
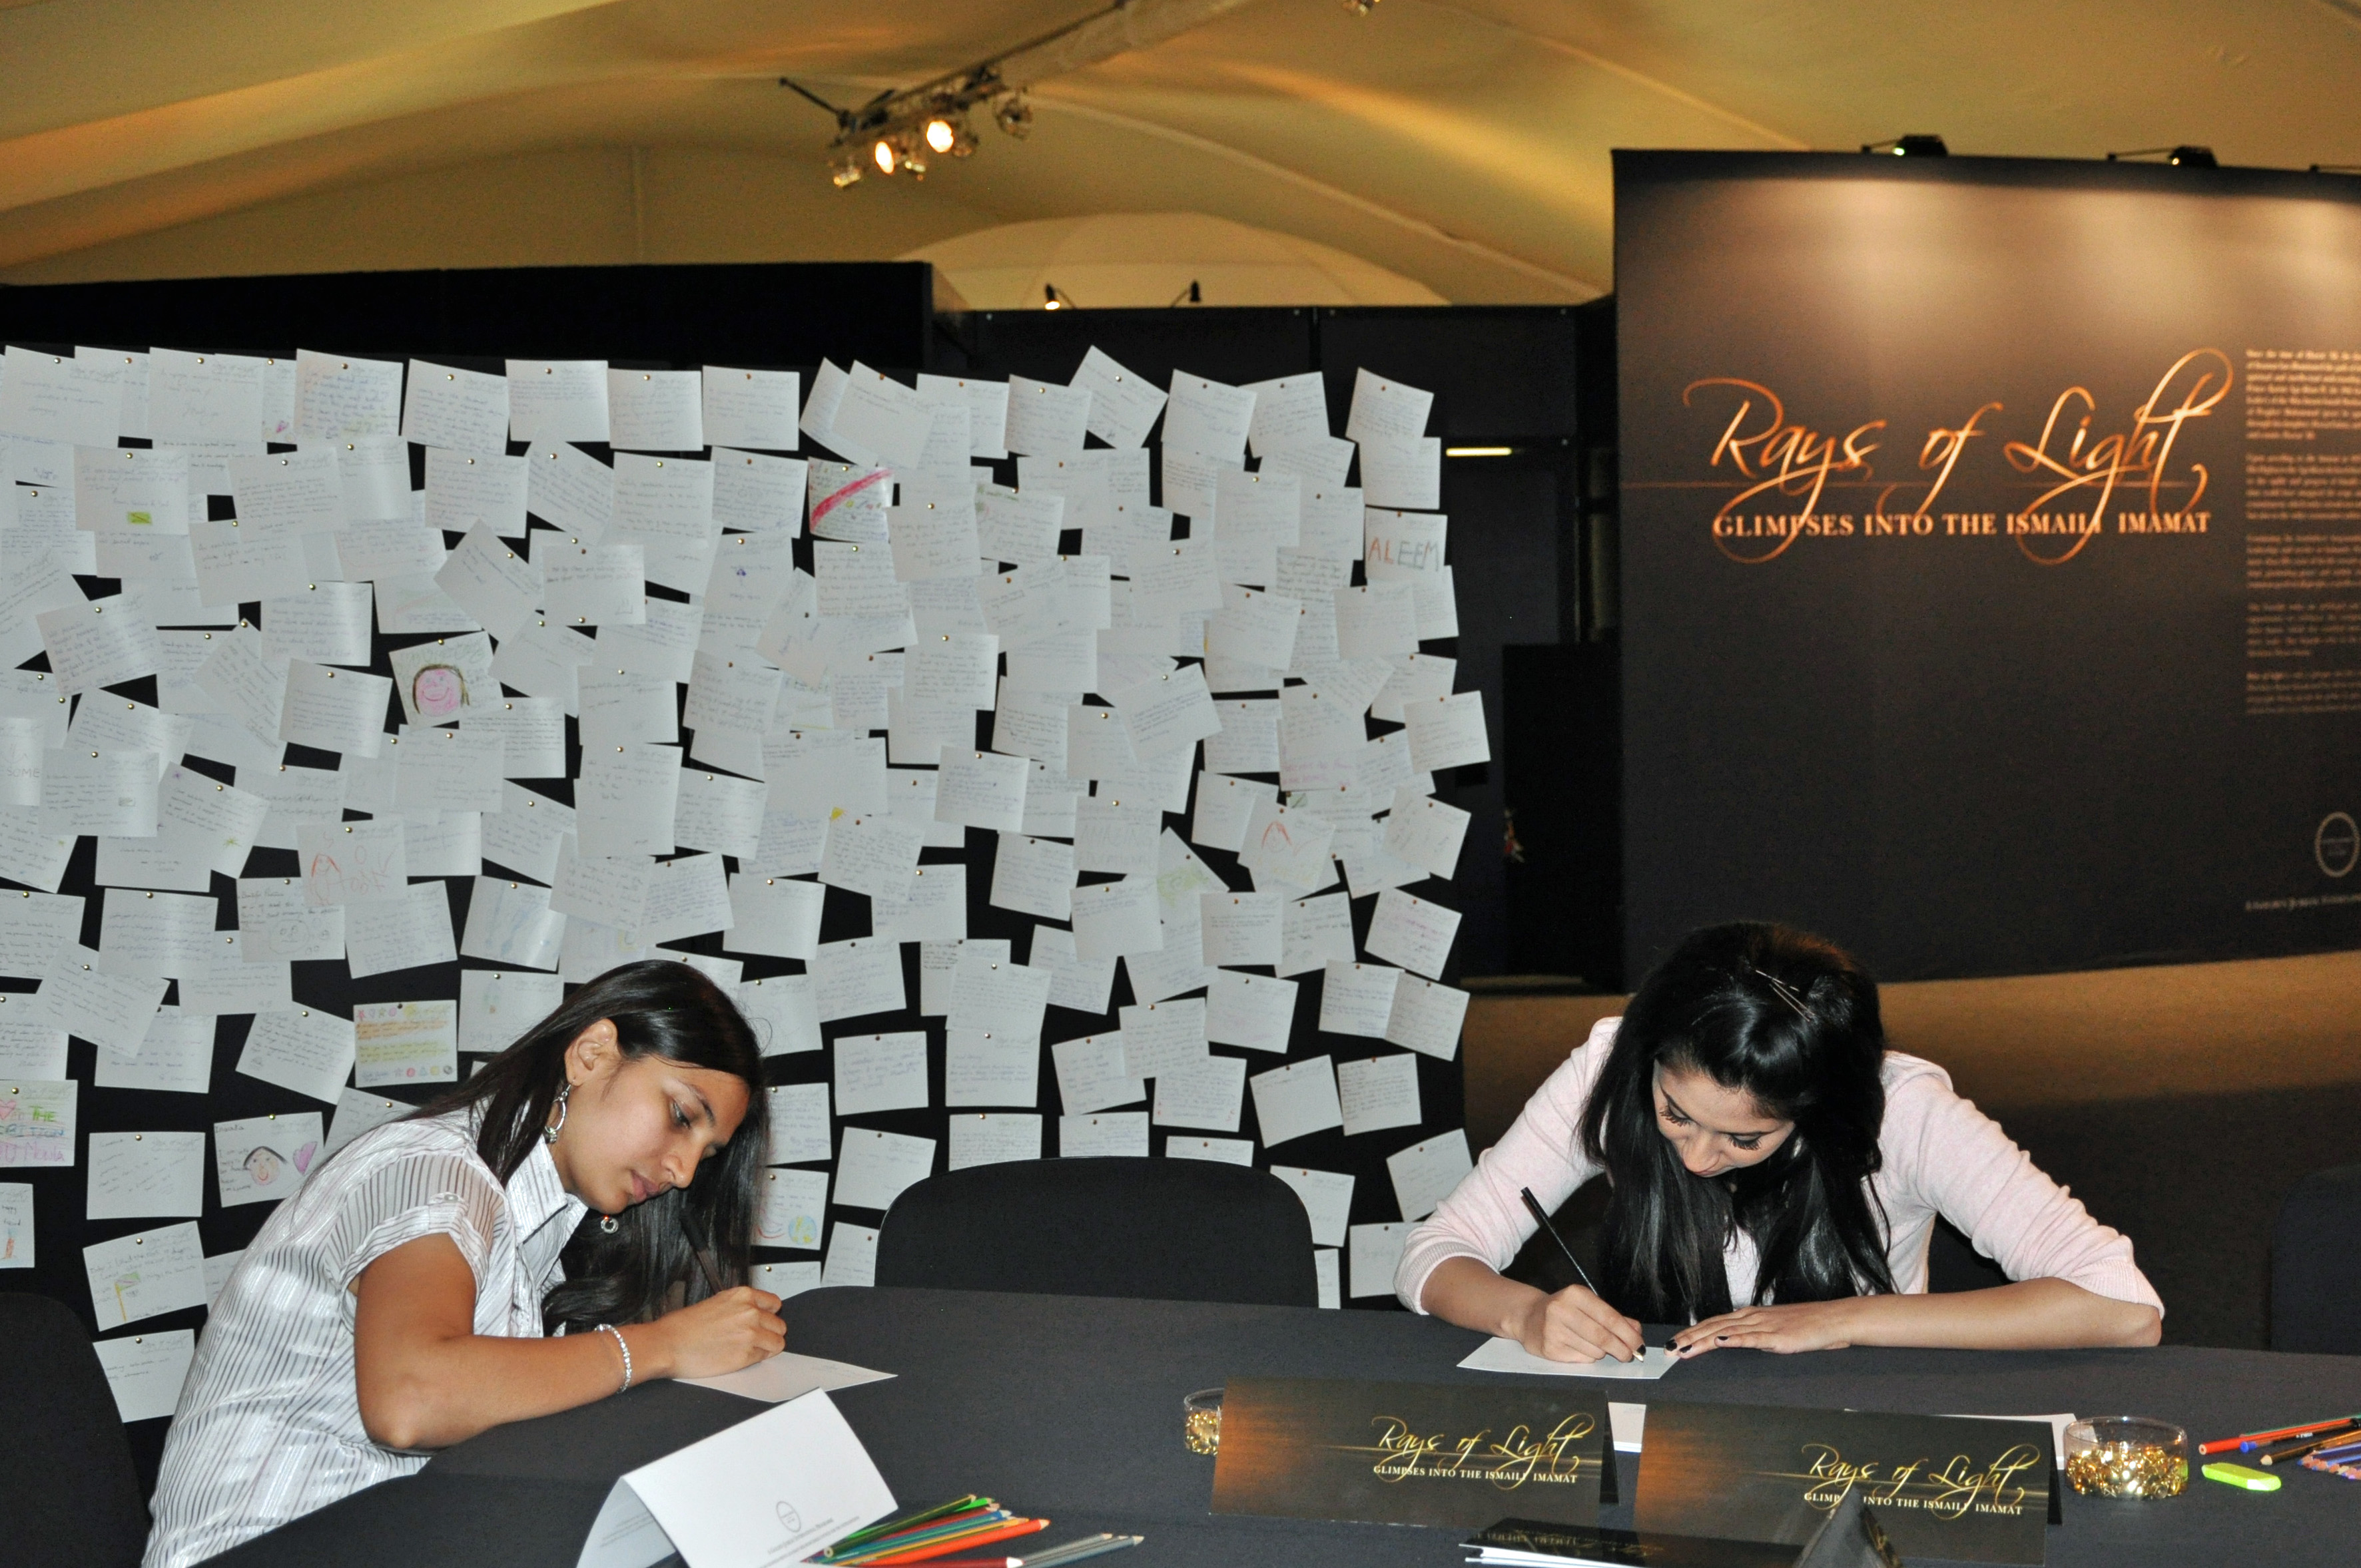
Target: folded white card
x: 769, y: 1490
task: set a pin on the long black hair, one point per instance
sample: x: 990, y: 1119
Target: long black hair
x: 652, y: 1263
x: 1793, y: 1021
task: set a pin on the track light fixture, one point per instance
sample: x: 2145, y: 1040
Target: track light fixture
x: 1055, y: 299
x: 2188, y: 155
x: 903, y: 127
x: 1918, y: 145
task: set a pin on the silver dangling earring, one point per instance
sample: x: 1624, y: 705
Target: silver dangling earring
x: 564, y: 1092
x: 607, y: 1224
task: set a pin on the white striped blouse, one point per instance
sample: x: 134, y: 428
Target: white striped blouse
x: 269, y: 1426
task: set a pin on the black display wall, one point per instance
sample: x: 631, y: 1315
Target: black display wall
x: 1517, y: 542
x: 1988, y: 543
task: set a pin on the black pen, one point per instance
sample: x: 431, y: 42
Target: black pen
x: 1542, y: 1215
x: 695, y: 1233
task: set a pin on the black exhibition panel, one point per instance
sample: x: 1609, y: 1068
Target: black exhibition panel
x: 1989, y: 531
x: 1564, y: 777
x: 1070, y: 1408
x: 1518, y: 541
x: 725, y: 314
x: 1526, y: 552
x: 1498, y: 372
x: 1237, y: 344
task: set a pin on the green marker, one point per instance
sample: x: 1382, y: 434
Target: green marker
x: 2239, y: 1476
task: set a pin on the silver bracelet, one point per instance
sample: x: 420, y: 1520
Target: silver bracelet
x: 621, y: 1345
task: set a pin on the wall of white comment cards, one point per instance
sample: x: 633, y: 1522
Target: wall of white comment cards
x: 770, y: 733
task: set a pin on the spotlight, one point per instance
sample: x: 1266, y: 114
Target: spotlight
x: 1013, y: 114
x: 946, y: 131
x: 844, y: 169
x: 1921, y: 146
x: 2186, y: 155
x: 881, y: 154
x: 1055, y: 299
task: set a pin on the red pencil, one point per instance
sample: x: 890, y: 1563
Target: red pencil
x: 943, y: 1548
x: 2303, y: 1429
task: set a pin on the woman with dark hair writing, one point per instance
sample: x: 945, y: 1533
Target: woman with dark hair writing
x: 1776, y: 1173
x: 399, y: 1301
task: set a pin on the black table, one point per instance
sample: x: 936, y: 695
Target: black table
x: 1071, y: 1407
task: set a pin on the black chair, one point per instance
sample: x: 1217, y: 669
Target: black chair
x: 68, y: 1494
x: 1180, y: 1230
x: 2316, y: 1265
x: 1954, y: 1263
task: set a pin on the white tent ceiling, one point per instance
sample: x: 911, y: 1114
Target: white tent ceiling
x: 1463, y: 145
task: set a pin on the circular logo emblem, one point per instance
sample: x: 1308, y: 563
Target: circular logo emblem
x: 2336, y: 844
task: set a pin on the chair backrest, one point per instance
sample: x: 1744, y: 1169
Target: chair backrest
x: 2316, y: 1265
x: 1180, y: 1230
x: 69, y: 1494
x: 1954, y: 1263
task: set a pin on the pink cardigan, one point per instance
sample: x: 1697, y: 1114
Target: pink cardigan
x: 1942, y: 1156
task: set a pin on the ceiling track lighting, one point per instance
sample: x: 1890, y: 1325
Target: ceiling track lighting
x: 1918, y: 146
x: 1056, y: 299
x: 904, y: 128
x: 897, y: 133
x: 2188, y: 155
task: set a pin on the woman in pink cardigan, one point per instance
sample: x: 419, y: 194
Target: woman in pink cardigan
x: 1776, y: 1175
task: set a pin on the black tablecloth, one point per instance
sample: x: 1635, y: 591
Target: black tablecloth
x: 1071, y: 1407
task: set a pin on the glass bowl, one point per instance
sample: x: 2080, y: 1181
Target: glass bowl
x: 1200, y: 1421
x: 2131, y: 1457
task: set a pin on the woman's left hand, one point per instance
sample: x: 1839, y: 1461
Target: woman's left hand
x: 1806, y: 1325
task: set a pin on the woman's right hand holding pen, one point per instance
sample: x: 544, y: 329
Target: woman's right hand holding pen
x: 719, y: 1334
x: 1575, y: 1326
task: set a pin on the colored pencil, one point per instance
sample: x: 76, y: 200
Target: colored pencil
x: 942, y: 1548
x: 1053, y: 1557
x: 2345, y: 1436
x: 906, y: 1521
x: 1075, y: 1551
x: 957, y: 1527
x: 2281, y: 1434
x: 2332, y: 1429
